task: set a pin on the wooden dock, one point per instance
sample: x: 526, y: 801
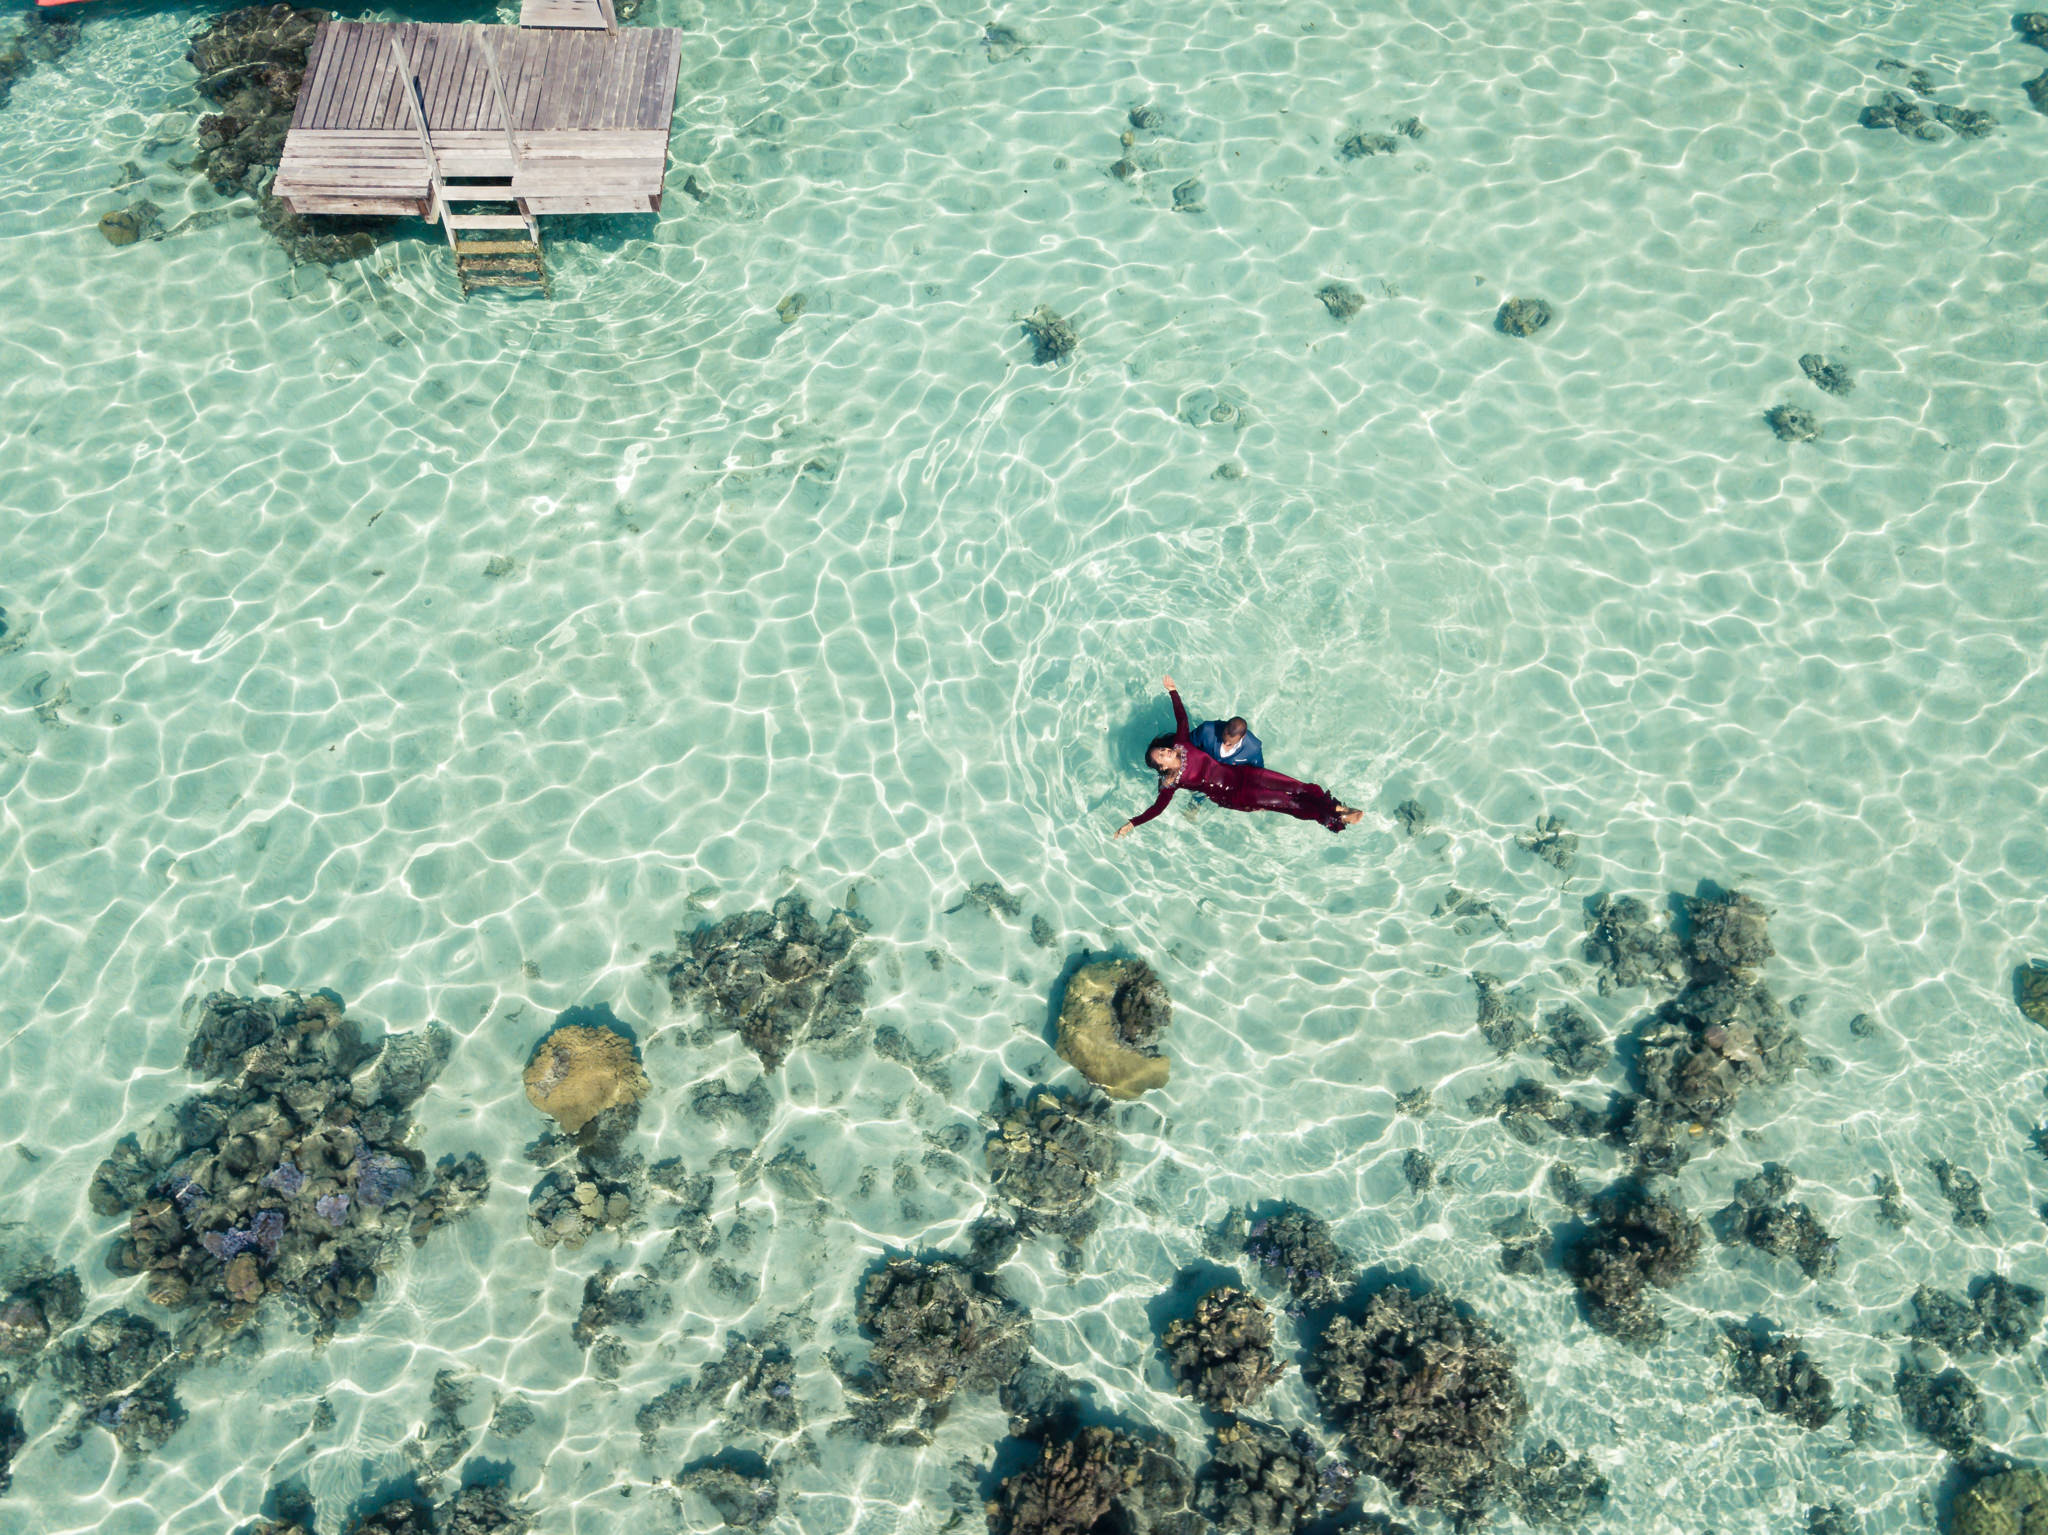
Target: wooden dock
x: 411, y: 117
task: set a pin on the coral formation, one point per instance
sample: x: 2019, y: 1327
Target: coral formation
x: 407, y: 1515
x: 568, y: 1208
x: 1629, y: 947
x: 1522, y: 317
x: 1223, y: 1355
x: 1341, y: 299
x: 1724, y: 1033
x: 1634, y: 1240
x: 2001, y: 1316
x: 990, y: 897
x: 1775, y: 1370
x: 1052, y: 339
x: 2007, y: 1502
x: 1832, y: 1519
x: 1297, y: 1245
x: 1947, y: 1408
x: 1412, y: 818
x: 141, y: 220
x: 1826, y: 373
x: 1048, y: 1157
x: 938, y: 1331
x: 1573, y: 1042
x: 744, y: 1496
x: 777, y: 978
x: 1965, y: 1195
x: 1363, y: 146
x: 1418, y: 1169
x: 2030, y: 990
x: 1529, y: 1103
x: 1096, y: 1478
x: 1260, y: 1481
x: 294, y: 1178
x: 40, y: 39
x: 251, y: 64
x: 1792, y: 423
x: 1550, y: 842
x: 1425, y: 1396
x: 1465, y: 911
x: 1554, y: 1488
x: 120, y: 1370
x: 1111, y: 1021
x: 1504, y: 1015
x: 1762, y: 1216
x: 1897, y: 110
x: 579, y: 1073
x: 485, y: 1508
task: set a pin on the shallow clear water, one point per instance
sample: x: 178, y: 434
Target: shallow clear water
x: 869, y: 604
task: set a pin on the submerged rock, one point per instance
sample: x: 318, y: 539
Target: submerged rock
x: 990, y: 897
x: 1111, y: 1022
x: 579, y: 1073
x: 1554, y: 1488
x: 1529, y: 1103
x: 1426, y: 1398
x: 1521, y: 317
x: 485, y: 1508
x: 1965, y: 1195
x: 936, y: 1331
x: 570, y: 1205
x: 120, y: 1371
x: 1223, y: 1355
x: 292, y: 1179
x: 1096, y: 1478
x: 1946, y: 1407
x: 1363, y: 146
x: 1573, y: 1043
x: 745, y: 1496
x: 40, y: 39
x: 1827, y: 374
x: 2030, y: 991
x: 251, y: 65
x: 1763, y: 1217
x: 1776, y: 1371
x: 1048, y: 1157
x: 777, y: 978
x: 1630, y: 947
x: 137, y: 221
x: 2011, y: 1502
x: 1052, y: 339
x: 1505, y: 1017
x: 1260, y: 1481
x: 1792, y: 423
x: 1550, y: 842
x: 1700, y: 1052
x: 1341, y: 299
x: 2001, y: 1316
x: 1633, y: 1240
x: 1294, y: 1247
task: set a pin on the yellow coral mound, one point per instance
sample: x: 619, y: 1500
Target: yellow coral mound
x: 578, y: 1073
x: 1091, y: 1041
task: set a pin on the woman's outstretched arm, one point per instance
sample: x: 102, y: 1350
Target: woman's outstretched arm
x: 1180, y: 716
x: 1158, y: 805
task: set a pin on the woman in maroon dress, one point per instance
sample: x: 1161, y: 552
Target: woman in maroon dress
x: 1234, y: 787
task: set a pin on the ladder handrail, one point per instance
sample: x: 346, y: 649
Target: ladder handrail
x: 409, y: 86
x: 490, y: 58
x: 611, y: 17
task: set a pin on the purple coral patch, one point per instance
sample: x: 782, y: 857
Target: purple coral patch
x: 333, y: 1206
x: 267, y: 1229
x: 286, y: 1179
x: 381, y: 1178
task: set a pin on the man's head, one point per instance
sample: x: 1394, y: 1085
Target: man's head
x: 1234, y: 729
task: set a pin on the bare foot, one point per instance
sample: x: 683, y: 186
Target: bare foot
x: 1349, y: 816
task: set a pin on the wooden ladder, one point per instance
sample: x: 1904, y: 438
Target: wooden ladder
x: 492, y: 250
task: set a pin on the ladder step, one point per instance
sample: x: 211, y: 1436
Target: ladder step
x: 501, y: 264
x: 483, y: 221
x: 497, y: 248
x: 503, y: 282
x: 487, y: 192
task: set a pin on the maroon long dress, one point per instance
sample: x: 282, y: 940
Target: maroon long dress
x: 1236, y: 787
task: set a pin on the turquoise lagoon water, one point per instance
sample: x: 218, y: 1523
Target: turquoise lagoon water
x: 866, y: 606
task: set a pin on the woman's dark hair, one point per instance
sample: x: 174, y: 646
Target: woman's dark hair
x: 1160, y: 744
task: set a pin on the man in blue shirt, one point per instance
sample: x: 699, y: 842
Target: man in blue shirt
x: 1229, y: 741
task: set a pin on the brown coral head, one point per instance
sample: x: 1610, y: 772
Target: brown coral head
x: 578, y: 1073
